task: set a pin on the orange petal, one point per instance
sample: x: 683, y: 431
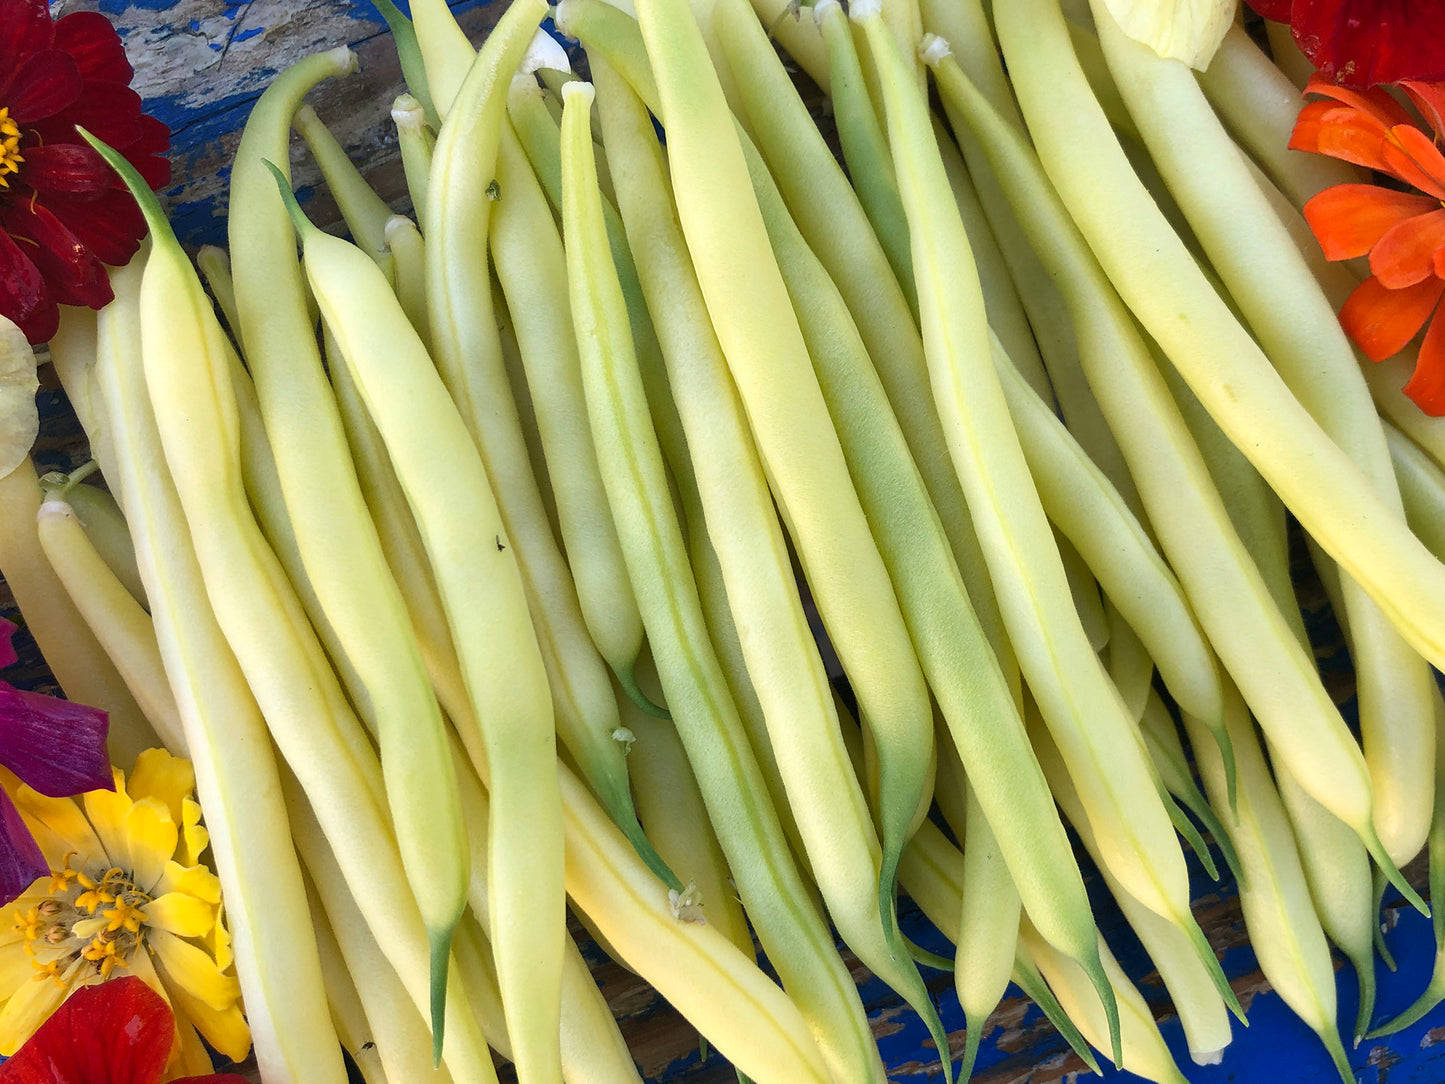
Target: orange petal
x: 1429, y: 98
x: 1327, y: 128
x: 1348, y: 219
x: 1426, y: 385
x: 1406, y: 253
x: 1382, y: 321
x: 1374, y: 102
x: 1413, y: 157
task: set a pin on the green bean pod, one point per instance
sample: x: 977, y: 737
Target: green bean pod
x: 791, y: 931
x: 372, y: 639
x: 364, y: 212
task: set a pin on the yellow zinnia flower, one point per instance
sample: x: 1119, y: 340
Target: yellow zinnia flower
x: 127, y: 894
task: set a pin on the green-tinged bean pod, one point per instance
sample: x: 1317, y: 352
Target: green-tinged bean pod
x: 408, y: 252
x: 418, y: 143
x: 215, y: 266
x: 1144, y: 1052
x: 225, y: 734
x: 467, y: 348
x: 482, y: 595
x: 1294, y: 322
x: 529, y: 259
x: 1202, y: 1010
x: 106, y: 527
x: 1278, y: 911
x: 372, y: 640
x: 865, y: 147
x: 792, y: 933
x: 740, y: 1011
x: 364, y: 212
x: 969, y: 684
x: 1332, y: 498
x: 1229, y: 596
x: 1422, y: 487
x: 409, y: 54
x: 768, y: 360
x: 113, y: 614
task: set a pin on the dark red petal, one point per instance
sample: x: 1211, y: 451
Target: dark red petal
x: 21, y: 860
x: 109, y: 111
x: 55, y: 746
x: 25, y: 28
x: 1426, y: 385
x: 23, y: 297
x: 89, y: 37
x: 111, y: 226
x: 45, y: 84
x: 1382, y: 322
x: 154, y: 170
x: 8, y: 657
x: 1349, y: 219
x: 116, y: 1032
x: 67, y: 169
x: 1278, y: 10
x: 155, y: 137
x: 1364, y: 42
x: 73, y: 275
x: 1405, y: 254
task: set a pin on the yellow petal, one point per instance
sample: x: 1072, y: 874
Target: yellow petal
x: 60, y: 827
x: 225, y: 1029
x: 16, y: 968
x: 1187, y: 30
x: 195, y: 881
x: 106, y: 812
x: 29, y: 1007
x: 151, y: 836
x: 220, y: 942
x: 189, y: 1057
x: 157, y: 774
x: 181, y: 914
x: 194, y: 835
x: 186, y: 968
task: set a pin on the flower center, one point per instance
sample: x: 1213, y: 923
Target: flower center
x: 88, y: 919
x: 10, y: 156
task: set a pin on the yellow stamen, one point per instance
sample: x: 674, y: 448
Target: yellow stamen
x: 10, y: 156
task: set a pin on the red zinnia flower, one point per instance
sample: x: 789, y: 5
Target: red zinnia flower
x: 63, y: 212
x: 1402, y: 232
x: 1363, y: 42
x: 119, y: 1032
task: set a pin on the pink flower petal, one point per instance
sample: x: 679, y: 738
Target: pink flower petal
x: 56, y: 747
x: 21, y: 860
x: 8, y: 629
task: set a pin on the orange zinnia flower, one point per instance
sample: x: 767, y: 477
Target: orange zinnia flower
x: 1401, y: 230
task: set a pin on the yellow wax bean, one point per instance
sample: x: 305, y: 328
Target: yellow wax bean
x: 417, y: 143
x: 486, y: 609
x: 215, y: 265
x: 113, y: 614
x: 105, y: 526
x: 766, y: 355
x: 364, y: 212
x: 408, y: 250
x: 227, y: 742
x: 792, y: 933
x: 337, y: 542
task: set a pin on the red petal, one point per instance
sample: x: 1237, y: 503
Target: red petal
x: 1429, y: 98
x: 25, y: 28
x: 23, y: 297
x: 1381, y: 322
x: 92, y: 41
x: 22, y: 862
x: 117, y: 1032
x: 1413, y: 158
x: 1340, y: 132
x: 1278, y: 10
x: 44, y: 84
x: 1362, y: 42
x: 111, y: 226
x: 155, y: 137
x: 73, y: 275
x: 1426, y: 385
x: 66, y: 168
x: 1348, y: 219
x: 109, y: 111
x: 1406, y: 253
